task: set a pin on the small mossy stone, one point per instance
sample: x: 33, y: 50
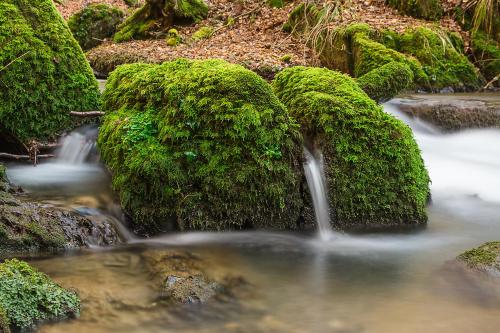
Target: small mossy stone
x: 203, y: 33
x: 485, y: 257
x: 157, y: 16
x: 28, y: 297
x: 200, y: 145
x: 375, y: 174
x: 173, y: 37
x: 425, y: 9
x: 43, y: 72
x: 385, y: 82
x: 94, y: 23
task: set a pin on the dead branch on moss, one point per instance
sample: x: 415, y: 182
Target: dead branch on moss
x: 7, y: 156
x: 87, y: 114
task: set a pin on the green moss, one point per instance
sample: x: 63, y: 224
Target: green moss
x: 375, y: 174
x: 485, y: 256
x: 173, y: 37
x: 94, y: 23
x: 157, y: 16
x: 28, y: 296
x: 276, y: 3
x: 286, y: 58
x: 43, y: 72
x: 426, y: 9
x: 302, y: 17
x: 131, y: 3
x: 444, y: 65
x: 487, y: 53
x: 385, y: 82
x: 203, y: 33
x: 202, y: 145
x: 4, y: 321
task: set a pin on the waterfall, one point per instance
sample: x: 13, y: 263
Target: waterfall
x: 314, y: 172
x: 77, y: 147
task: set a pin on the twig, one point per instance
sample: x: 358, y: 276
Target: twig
x: 13, y: 61
x: 487, y: 86
x: 22, y: 157
x: 87, y: 114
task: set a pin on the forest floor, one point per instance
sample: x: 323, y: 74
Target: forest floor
x: 255, y: 40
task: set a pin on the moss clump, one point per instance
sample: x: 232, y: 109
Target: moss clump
x: 158, y: 16
x: 94, y: 23
x: 29, y: 297
x: 43, y: 72
x: 173, y: 37
x: 385, y: 82
x: 375, y: 174
x: 203, y: 33
x: 202, y: 145
x: 426, y: 9
x: 444, y: 65
x: 485, y: 257
x: 487, y: 54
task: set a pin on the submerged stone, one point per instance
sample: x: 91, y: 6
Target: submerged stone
x: 43, y: 72
x: 485, y: 258
x: 375, y: 174
x: 28, y: 297
x: 200, y: 145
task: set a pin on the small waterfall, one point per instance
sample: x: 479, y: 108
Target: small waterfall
x: 314, y: 172
x: 77, y: 147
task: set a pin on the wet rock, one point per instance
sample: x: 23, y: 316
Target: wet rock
x: 454, y: 115
x: 485, y: 259
x: 184, y: 278
x: 27, y: 225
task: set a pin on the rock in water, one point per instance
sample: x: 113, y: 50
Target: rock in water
x: 375, y: 174
x: 200, y: 145
x: 28, y: 297
x: 43, y: 71
x: 485, y: 258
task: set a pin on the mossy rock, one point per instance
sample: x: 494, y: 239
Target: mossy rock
x: 385, y: 82
x: 156, y: 17
x: 485, y: 258
x: 94, y: 23
x: 375, y: 174
x: 200, y: 145
x: 203, y: 33
x: 43, y: 72
x: 444, y: 65
x: 487, y: 53
x: 29, y: 297
x: 425, y: 9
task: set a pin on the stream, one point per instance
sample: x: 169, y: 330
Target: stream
x: 383, y: 282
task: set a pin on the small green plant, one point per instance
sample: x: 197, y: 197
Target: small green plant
x: 203, y: 33
x: 286, y: 58
x: 28, y: 296
x: 173, y: 37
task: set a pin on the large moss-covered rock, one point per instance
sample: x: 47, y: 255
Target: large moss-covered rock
x: 28, y: 297
x: 94, y: 23
x: 375, y: 174
x: 385, y: 82
x: 426, y: 9
x: 202, y: 145
x: 43, y: 72
x: 156, y: 17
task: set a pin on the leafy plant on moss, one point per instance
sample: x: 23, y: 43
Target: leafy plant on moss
x: 28, y: 296
x: 375, y: 174
x: 60, y: 80
x: 200, y: 145
x: 91, y: 25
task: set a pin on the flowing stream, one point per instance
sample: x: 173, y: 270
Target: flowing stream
x: 383, y: 282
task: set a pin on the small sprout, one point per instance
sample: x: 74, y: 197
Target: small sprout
x: 230, y: 21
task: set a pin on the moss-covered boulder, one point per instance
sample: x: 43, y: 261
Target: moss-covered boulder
x: 444, y: 65
x: 375, y: 175
x: 425, y: 9
x: 94, y: 23
x: 202, y: 145
x: 28, y: 297
x: 43, y: 72
x: 385, y: 82
x: 156, y: 17
x: 485, y: 258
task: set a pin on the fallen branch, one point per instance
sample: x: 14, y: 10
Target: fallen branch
x: 87, y: 114
x: 8, y: 156
x: 490, y: 83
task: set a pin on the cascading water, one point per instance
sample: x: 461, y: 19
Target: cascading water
x: 313, y: 168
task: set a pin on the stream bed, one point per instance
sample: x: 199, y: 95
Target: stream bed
x: 383, y: 282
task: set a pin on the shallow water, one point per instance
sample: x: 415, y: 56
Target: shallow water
x: 299, y: 283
